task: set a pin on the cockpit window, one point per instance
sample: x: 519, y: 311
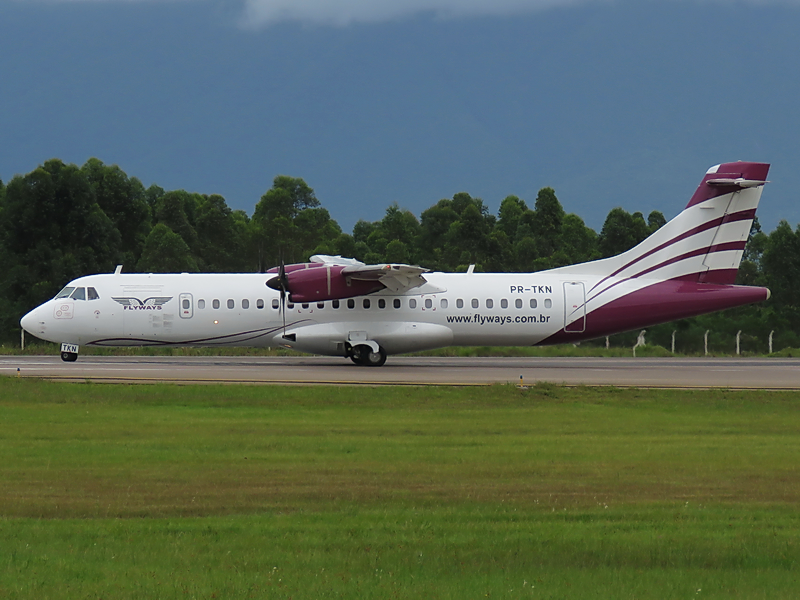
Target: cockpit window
x: 79, y: 294
x: 65, y: 292
x: 91, y: 293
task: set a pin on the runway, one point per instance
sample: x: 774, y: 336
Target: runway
x: 754, y: 373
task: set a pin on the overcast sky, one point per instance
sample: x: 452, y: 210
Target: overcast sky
x: 612, y: 103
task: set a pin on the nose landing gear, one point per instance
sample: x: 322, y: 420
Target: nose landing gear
x: 69, y: 352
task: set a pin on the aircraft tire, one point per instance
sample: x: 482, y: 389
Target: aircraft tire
x: 363, y: 356
x: 374, y: 359
x: 69, y: 356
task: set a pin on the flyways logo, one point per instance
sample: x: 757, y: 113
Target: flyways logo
x: 147, y: 304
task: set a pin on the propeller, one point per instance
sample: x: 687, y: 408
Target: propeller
x: 283, y: 281
x: 281, y: 284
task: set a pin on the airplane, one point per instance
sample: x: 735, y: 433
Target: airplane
x: 342, y: 307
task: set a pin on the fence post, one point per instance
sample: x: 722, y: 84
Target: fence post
x: 22, y: 338
x: 705, y: 341
x: 770, y: 340
x: 607, y: 344
x: 673, y: 340
x: 738, y: 335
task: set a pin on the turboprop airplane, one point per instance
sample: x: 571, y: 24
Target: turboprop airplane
x: 342, y: 307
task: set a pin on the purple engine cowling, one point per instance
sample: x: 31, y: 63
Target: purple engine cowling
x: 315, y: 282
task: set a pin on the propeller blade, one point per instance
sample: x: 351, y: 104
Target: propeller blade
x: 283, y: 282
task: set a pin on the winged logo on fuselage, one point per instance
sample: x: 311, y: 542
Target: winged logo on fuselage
x: 154, y: 303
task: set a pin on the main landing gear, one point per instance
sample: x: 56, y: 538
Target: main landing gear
x: 364, y: 356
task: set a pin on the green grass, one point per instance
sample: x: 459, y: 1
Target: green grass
x: 278, y: 492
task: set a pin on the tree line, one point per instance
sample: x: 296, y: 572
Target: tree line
x: 62, y: 221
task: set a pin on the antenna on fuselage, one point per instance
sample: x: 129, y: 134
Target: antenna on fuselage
x: 118, y: 270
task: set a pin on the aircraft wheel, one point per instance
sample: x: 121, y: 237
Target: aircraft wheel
x: 363, y: 356
x: 374, y: 359
x: 69, y: 356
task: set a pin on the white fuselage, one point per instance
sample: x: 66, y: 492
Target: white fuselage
x: 240, y: 310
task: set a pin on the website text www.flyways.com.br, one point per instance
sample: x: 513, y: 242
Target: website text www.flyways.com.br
x: 480, y: 319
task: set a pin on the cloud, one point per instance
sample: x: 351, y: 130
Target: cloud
x: 259, y: 13
x: 343, y: 12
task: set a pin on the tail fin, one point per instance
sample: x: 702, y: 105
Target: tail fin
x: 684, y: 269
x: 705, y: 242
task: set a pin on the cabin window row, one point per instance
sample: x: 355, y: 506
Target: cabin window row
x: 231, y: 303
x: 367, y: 303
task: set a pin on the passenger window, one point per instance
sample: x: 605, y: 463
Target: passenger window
x: 65, y: 292
x: 320, y: 305
x: 231, y: 303
x: 381, y: 303
x: 548, y: 303
x: 245, y: 304
x: 533, y: 302
x: 459, y: 303
x: 428, y: 303
x: 518, y: 302
x: 503, y: 303
x: 489, y: 303
x: 335, y: 304
x: 397, y: 303
x: 275, y: 304
x: 215, y: 303
x: 305, y: 305
x: 412, y: 303
x: 79, y: 294
x: 351, y: 303
x: 201, y: 303
x: 475, y: 303
x: 92, y: 293
x: 290, y: 305
x: 185, y: 304
x: 366, y: 303
x: 443, y: 303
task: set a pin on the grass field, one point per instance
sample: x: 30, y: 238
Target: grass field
x: 291, y: 492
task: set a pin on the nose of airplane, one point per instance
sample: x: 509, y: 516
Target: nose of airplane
x: 28, y: 322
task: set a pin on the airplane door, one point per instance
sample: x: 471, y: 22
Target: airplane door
x: 574, y: 307
x: 187, y: 306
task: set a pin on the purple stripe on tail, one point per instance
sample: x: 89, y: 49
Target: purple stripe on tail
x: 742, y: 215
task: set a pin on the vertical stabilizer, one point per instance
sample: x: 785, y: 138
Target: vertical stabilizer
x: 705, y: 242
x: 684, y: 269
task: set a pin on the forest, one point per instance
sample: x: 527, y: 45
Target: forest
x: 62, y: 221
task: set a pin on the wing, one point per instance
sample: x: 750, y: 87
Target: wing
x: 327, y: 259
x: 397, y: 278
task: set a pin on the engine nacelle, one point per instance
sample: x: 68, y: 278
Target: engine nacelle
x: 323, y: 282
